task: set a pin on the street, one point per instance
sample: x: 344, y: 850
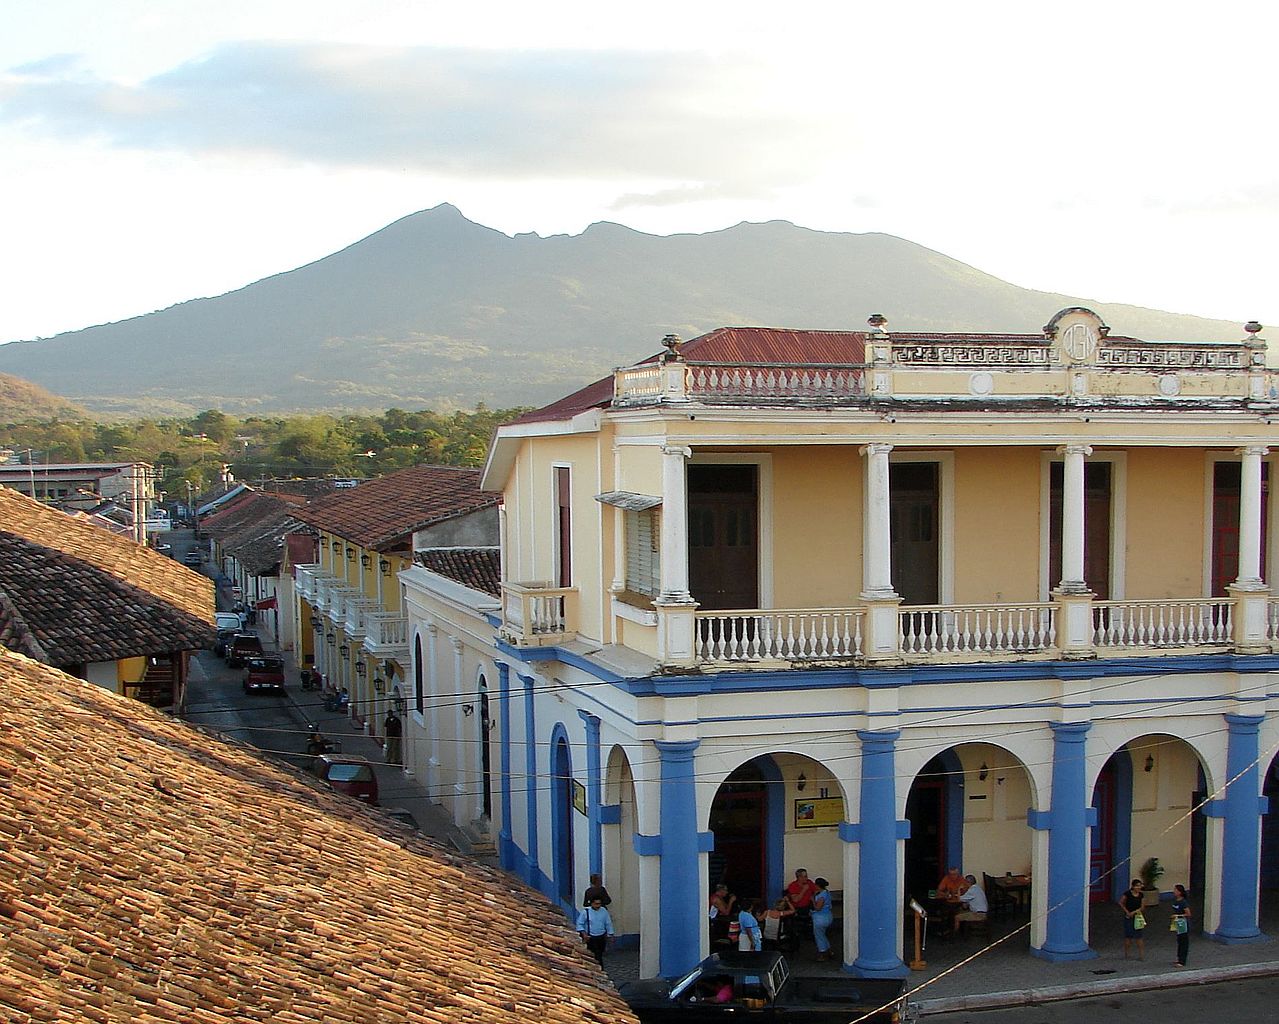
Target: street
x: 1253, y: 1001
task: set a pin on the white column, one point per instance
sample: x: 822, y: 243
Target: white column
x: 461, y: 696
x: 877, y: 562
x: 1072, y: 519
x: 1250, y: 518
x: 675, y: 525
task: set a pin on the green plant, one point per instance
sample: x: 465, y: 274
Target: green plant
x: 1151, y: 872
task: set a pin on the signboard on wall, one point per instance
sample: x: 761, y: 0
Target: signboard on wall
x: 819, y: 812
x: 579, y: 797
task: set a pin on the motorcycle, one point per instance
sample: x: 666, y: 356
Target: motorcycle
x: 317, y: 743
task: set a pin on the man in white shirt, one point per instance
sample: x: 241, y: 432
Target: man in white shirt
x: 975, y: 905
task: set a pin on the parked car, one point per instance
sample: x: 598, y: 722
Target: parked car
x: 242, y: 647
x: 193, y: 558
x: 264, y: 673
x: 228, y: 620
x: 347, y: 774
x: 760, y: 987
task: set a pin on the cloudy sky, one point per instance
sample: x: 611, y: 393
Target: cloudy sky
x: 153, y: 151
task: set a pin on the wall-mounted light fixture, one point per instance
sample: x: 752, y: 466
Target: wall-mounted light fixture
x: 983, y: 772
x: 344, y: 650
x: 366, y: 560
x: 468, y: 710
x: 332, y: 637
x: 361, y: 669
x: 1150, y: 762
x: 801, y: 782
x: 389, y: 668
x: 316, y: 620
x: 337, y: 546
x: 350, y: 554
x: 385, y: 566
x: 379, y: 684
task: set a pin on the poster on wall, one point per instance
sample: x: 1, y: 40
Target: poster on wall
x: 579, y: 797
x: 819, y: 812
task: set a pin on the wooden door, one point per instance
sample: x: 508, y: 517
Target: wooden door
x: 1097, y: 525
x: 723, y: 536
x: 1226, y: 481
x: 926, y: 847
x: 914, y: 506
x: 1101, y: 858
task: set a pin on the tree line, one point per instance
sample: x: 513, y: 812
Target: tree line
x: 198, y: 450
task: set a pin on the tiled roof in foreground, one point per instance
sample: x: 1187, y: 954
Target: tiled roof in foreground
x: 152, y: 872
x: 477, y: 568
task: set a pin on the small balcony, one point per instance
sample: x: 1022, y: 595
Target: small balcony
x: 538, y: 615
x: 305, y: 578
x: 386, y: 635
x: 357, y: 611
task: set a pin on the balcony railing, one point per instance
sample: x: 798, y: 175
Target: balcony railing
x: 534, y: 614
x: 386, y: 634
x: 985, y: 629
x: 1133, y: 625
x: 358, y: 609
x: 304, y: 577
x: 785, y: 634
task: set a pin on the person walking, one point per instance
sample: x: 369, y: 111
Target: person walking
x: 1134, y: 919
x: 823, y: 916
x: 1181, y: 923
x: 595, y: 925
x: 393, y: 727
x: 597, y: 891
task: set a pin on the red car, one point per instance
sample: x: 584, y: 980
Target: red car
x: 264, y: 673
x: 347, y: 774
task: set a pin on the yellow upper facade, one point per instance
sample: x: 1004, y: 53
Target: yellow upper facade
x: 894, y: 498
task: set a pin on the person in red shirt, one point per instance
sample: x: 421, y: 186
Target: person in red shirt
x: 952, y: 885
x: 800, y: 892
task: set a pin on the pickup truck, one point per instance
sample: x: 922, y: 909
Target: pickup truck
x: 760, y: 987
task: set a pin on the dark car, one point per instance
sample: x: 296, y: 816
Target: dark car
x: 347, y: 774
x: 242, y: 647
x: 194, y: 558
x: 264, y: 673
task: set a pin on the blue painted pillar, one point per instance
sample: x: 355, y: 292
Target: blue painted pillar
x: 1067, y: 823
x: 593, y: 791
x: 878, y: 908
x: 530, y: 782
x: 683, y: 915
x: 505, y: 847
x: 1241, y: 808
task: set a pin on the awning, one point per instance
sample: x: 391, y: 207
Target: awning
x: 265, y: 603
x: 628, y: 500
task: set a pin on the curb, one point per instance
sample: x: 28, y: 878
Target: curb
x: 1084, y: 990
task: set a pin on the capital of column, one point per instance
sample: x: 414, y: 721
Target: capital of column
x: 876, y: 448
x: 1076, y: 449
x: 1244, y: 725
x: 592, y: 722
x: 680, y: 450
x: 1259, y: 451
x: 457, y: 644
x: 433, y: 629
x: 1070, y: 732
x: 675, y: 751
x: 879, y: 739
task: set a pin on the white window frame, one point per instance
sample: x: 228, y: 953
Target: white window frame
x: 946, y: 511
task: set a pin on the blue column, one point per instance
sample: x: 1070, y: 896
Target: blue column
x: 878, y: 909
x: 530, y: 782
x: 505, y: 848
x: 1066, y: 823
x: 683, y: 915
x: 1241, y: 809
x: 593, y: 794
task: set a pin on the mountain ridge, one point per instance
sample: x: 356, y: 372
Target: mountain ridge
x: 435, y: 310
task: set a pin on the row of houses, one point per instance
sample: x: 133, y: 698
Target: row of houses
x: 866, y: 602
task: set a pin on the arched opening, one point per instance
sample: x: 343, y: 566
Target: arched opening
x: 935, y: 809
x: 485, y: 725
x: 562, y: 818
x: 419, y: 696
x: 621, y: 862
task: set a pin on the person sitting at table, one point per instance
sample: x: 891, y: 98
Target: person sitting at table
x: 974, y: 902
x: 800, y: 892
x: 952, y: 885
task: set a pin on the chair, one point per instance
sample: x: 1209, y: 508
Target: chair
x: 1000, y: 900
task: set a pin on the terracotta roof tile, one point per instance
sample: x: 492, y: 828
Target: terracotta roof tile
x: 477, y: 568
x: 121, y: 557
x: 383, y: 513
x: 151, y: 871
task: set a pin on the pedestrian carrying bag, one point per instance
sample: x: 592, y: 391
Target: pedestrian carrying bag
x: 1139, y: 920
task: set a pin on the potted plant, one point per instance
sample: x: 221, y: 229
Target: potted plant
x: 1150, y: 874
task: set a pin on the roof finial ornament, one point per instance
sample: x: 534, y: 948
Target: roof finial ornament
x: 1252, y: 328
x: 877, y: 322
x: 672, y: 342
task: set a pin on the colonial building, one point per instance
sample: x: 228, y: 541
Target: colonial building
x: 350, y: 622
x: 873, y: 603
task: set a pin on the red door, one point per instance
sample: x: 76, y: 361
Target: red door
x: 1102, y: 855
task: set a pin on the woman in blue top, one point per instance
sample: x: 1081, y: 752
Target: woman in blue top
x: 1181, y: 922
x: 751, y: 937
x: 823, y: 916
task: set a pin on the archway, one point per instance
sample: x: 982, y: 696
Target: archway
x: 935, y: 809
x: 621, y: 862
x: 562, y: 817
x: 485, y: 724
